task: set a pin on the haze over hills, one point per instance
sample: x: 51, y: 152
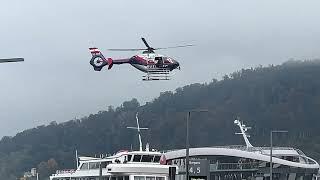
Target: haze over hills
x: 285, y: 96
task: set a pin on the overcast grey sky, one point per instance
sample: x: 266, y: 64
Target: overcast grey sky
x: 56, y: 82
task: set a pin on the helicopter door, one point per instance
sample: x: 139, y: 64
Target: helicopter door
x: 160, y: 61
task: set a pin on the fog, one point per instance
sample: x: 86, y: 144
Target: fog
x: 57, y: 83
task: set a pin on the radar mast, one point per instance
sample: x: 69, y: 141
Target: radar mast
x: 138, y: 128
x: 243, y: 130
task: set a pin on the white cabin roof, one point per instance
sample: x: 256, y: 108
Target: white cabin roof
x: 254, y: 153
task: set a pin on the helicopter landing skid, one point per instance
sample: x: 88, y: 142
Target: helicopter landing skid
x: 154, y: 74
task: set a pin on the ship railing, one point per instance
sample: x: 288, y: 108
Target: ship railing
x: 251, y: 149
x: 234, y: 166
x: 261, y: 149
x: 240, y: 147
x: 65, y: 171
x: 243, y: 148
x: 300, y: 152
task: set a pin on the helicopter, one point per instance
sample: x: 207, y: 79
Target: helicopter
x: 156, y: 66
x: 11, y: 60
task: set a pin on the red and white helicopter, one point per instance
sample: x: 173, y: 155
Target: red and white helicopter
x: 156, y: 66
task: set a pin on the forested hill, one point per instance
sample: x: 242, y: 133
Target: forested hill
x: 282, y: 97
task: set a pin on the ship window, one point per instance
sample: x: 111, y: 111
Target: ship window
x: 113, y: 178
x: 129, y: 157
x: 159, y: 178
x: 126, y: 177
x: 156, y: 159
x: 150, y: 178
x: 146, y: 158
x: 93, y: 165
x: 136, y: 158
x: 104, y: 164
x: 295, y: 159
x: 139, y: 178
x: 84, y: 166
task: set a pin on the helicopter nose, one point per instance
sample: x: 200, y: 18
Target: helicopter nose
x: 176, y: 64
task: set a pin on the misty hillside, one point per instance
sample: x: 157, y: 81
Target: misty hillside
x: 282, y: 97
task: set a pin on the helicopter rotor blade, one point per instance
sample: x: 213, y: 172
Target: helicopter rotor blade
x: 11, y: 60
x: 126, y: 49
x: 187, y: 45
x: 145, y: 43
x: 150, y: 49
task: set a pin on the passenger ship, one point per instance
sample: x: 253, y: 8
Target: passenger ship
x: 124, y: 165
x: 248, y: 162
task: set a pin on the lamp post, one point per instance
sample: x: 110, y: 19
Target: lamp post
x: 271, y: 132
x: 187, y: 140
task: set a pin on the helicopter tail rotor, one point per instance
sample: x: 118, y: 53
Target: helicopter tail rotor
x: 98, y: 61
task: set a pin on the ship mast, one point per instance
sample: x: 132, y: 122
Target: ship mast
x: 138, y: 128
x: 243, y: 130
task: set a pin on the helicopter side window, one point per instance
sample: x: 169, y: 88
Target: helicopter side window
x: 164, y: 59
x: 159, y: 60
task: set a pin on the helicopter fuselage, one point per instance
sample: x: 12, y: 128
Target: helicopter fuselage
x: 156, y: 66
x: 147, y: 61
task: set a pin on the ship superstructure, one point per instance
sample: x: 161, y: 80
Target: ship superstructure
x: 124, y: 165
x: 249, y: 162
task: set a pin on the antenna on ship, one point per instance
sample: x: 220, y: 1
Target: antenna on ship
x: 139, y: 132
x: 77, y: 159
x: 243, y: 130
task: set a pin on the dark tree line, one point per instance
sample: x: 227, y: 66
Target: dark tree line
x: 286, y: 96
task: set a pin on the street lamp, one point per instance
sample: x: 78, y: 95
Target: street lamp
x: 187, y: 139
x: 271, y: 132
